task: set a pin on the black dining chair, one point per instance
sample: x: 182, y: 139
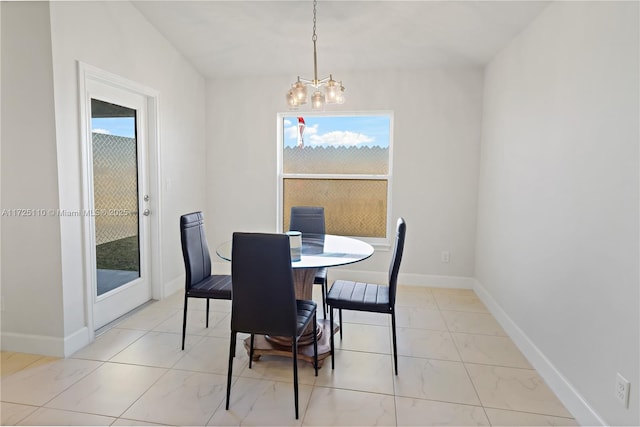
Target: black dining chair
x: 264, y: 300
x: 347, y: 295
x: 310, y: 219
x: 199, y: 283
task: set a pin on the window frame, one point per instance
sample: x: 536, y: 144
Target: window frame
x: 380, y: 242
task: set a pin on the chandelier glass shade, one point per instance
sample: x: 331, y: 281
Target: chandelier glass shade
x: 324, y: 91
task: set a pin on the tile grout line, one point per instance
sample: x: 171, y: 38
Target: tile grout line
x: 455, y: 344
x: 314, y: 387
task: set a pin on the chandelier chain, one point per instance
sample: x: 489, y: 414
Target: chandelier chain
x: 315, y: 37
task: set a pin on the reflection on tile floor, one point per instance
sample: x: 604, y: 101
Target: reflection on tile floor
x: 456, y: 367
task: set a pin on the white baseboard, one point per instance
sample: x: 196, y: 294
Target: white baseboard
x: 45, y: 345
x: 173, y: 286
x: 34, y: 344
x: 64, y: 347
x: 584, y: 414
x: 76, y: 341
x: 427, y: 280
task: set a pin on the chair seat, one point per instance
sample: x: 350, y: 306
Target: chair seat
x: 306, y: 311
x: 359, y: 296
x: 321, y: 276
x: 217, y: 286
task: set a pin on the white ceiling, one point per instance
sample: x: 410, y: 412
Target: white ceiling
x: 242, y: 38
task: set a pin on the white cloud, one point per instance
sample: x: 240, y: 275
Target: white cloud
x: 339, y: 138
x: 104, y: 131
x: 310, y: 130
x: 292, y: 131
x: 334, y: 138
x: 287, y: 122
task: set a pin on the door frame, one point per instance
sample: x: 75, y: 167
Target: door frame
x: 88, y: 73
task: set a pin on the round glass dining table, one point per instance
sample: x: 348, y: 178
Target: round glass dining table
x: 318, y: 250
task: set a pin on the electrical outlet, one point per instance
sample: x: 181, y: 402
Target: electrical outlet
x: 622, y: 390
x: 445, y: 256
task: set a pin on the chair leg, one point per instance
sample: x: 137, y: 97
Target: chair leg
x: 340, y: 316
x: 324, y: 299
x: 232, y: 352
x: 184, y: 320
x: 395, y: 345
x: 331, y: 337
x: 207, y: 321
x: 295, y: 372
x: 315, y: 343
x: 251, y: 350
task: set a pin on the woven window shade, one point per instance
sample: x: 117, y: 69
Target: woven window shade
x: 352, y: 207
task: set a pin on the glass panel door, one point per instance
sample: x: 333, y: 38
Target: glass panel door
x: 118, y: 200
x: 115, y: 195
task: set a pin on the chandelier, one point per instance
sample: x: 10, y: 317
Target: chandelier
x: 333, y: 90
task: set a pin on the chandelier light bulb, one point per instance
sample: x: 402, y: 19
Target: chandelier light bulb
x: 317, y: 100
x: 340, y: 95
x: 300, y: 92
x: 291, y: 100
x: 331, y: 92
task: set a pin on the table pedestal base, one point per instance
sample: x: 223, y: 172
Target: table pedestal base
x: 305, y: 352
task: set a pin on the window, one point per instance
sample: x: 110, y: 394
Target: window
x: 339, y: 161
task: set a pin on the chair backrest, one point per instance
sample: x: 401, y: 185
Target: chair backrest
x: 308, y: 219
x: 401, y: 229
x: 197, y: 261
x: 263, y: 299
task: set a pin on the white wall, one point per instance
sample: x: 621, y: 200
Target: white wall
x: 115, y: 37
x: 31, y: 273
x: 45, y: 169
x: 557, y: 244
x: 436, y: 152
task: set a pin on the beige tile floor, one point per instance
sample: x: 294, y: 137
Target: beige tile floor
x: 456, y: 367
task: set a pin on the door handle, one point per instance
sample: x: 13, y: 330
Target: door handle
x: 146, y: 212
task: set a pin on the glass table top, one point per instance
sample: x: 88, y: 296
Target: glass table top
x: 320, y: 250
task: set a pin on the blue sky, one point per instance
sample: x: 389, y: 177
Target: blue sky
x: 339, y: 130
x: 336, y: 130
x: 121, y: 126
